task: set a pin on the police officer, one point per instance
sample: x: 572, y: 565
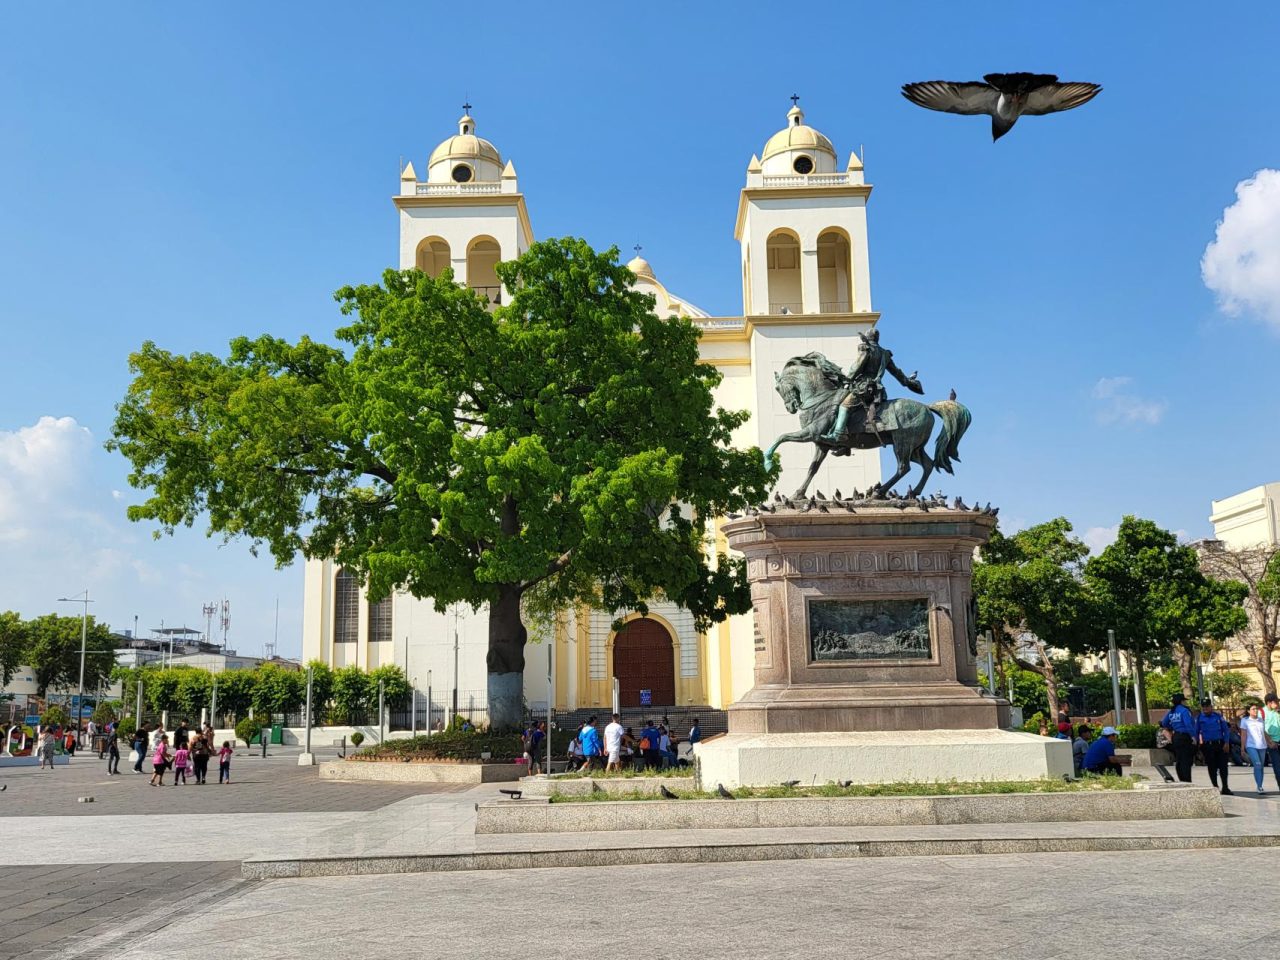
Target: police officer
x: 1214, y: 734
x: 1182, y: 725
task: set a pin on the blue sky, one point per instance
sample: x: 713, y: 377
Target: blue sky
x: 190, y: 176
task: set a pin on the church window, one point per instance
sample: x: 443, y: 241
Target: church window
x: 461, y: 173
x: 380, y: 621
x: 346, y: 607
x: 803, y: 164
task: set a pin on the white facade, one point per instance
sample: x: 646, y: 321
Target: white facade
x: 1248, y: 519
x: 802, y: 228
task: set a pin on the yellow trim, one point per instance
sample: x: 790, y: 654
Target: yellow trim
x: 481, y: 200
x: 561, y: 641
x: 582, y: 638
x: 776, y: 193
x: 723, y: 632
x: 727, y: 361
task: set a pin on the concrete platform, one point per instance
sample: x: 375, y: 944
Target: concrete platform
x: 913, y: 756
x: 398, y: 771
x: 515, y: 852
x: 584, y: 786
x: 1159, y: 803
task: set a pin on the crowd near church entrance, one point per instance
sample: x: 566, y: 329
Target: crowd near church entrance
x: 644, y: 660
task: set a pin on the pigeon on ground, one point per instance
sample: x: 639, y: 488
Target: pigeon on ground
x: 790, y: 783
x: 844, y: 784
x: 666, y: 794
x: 513, y: 794
x: 1003, y: 96
x: 724, y: 794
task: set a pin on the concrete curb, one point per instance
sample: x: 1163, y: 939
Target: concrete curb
x: 1164, y: 803
x: 393, y: 771
x: 582, y: 786
x: 733, y: 853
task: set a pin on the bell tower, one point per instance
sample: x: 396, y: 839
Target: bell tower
x: 802, y: 225
x: 468, y: 214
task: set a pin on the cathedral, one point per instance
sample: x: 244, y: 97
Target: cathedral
x: 802, y: 229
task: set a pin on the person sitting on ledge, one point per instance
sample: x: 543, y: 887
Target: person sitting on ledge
x: 1101, y: 755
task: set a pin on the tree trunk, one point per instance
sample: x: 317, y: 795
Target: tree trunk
x: 507, y: 636
x: 1186, y: 660
x: 1262, y: 660
x: 1139, y: 686
x: 1050, y: 683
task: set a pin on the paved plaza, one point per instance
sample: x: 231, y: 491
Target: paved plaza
x: 144, y: 872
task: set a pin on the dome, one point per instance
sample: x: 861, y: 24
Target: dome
x: 640, y: 267
x: 796, y: 136
x: 465, y: 146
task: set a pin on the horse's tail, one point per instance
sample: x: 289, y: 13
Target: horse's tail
x: 955, y: 421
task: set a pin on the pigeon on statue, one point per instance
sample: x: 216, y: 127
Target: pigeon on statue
x: 1003, y: 96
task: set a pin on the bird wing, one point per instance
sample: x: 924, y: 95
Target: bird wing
x: 968, y: 98
x: 1019, y: 83
x: 1059, y: 96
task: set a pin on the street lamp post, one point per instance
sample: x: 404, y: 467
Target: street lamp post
x: 84, y: 634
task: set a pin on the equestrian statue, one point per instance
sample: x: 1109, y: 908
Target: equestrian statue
x: 840, y: 412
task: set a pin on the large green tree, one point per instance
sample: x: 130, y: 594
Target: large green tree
x: 13, y: 643
x: 1031, y: 596
x: 565, y: 445
x: 1153, y: 590
x: 52, y: 650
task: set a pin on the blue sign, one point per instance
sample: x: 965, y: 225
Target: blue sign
x: 646, y: 698
x: 31, y: 720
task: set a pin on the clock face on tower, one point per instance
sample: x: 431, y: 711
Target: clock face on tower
x: 803, y: 164
x: 461, y: 173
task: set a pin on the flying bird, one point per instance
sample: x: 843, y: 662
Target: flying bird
x: 724, y: 794
x: 666, y: 794
x: 1003, y: 96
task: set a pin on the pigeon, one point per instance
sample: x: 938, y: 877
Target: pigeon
x: 1003, y: 96
x: 821, y: 495
x: 844, y: 784
x: 953, y: 394
x: 822, y: 508
x: 790, y: 783
x: 837, y: 496
x: 666, y: 794
x: 513, y: 794
x: 3, y: 787
x: 723, y: 793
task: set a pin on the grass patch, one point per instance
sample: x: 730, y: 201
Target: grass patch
x: 459, y: 746
x: 627, y: 773
x: 952, y: 788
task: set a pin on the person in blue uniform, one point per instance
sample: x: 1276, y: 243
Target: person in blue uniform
x: 1101, y: 755
x: 1182, y: 726
x: 1214, y: 734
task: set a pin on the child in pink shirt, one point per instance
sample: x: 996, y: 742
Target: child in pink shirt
x: 224, y: 762
x: 180, y: 757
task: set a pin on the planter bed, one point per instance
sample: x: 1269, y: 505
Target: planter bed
x: 420, y: 771
x: 542, y: 816
x: 614, y: 786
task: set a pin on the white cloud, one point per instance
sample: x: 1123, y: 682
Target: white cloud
x: 1098, y: 539
x: 1242, y: 262
x: 38, y: 464
x: 1117, y: 402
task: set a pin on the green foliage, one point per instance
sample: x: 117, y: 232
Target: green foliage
x: 13, y: 643
x: 457, y: 745
x: 1161, y: 685
x: 235, y: 692
x: 351, y: 692
x: 55, y: 715
x: 160, y: 687
x: 1033, y: 723
x: 357, y: 738
x: 193, y: 691
x: 396, y: 689
x: 1228, y: 689
x: 247, y: 729
x: 103, y: 714
x: 1086, y: 784
x: 52, y: 650
x: 277, y: 690
x: 1137, y: 736
x: 563, y: 446
x: 321, y: 685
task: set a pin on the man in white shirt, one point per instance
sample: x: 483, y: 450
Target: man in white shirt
x: 613, y: 744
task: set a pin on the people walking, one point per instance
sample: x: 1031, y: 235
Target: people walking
x: 181, y: 757
x: 113, y: 752
x: 224, y: 762
x: 47, y: 747
x: 200, y: 752
x: 1182, y: 727
x: 1271, y: 723
x: 1254, y: 734
x: 139, y: 746
x: 181, y: 735
x: 1214, y: 734
x: 160, y: 758
x: 591, y: 746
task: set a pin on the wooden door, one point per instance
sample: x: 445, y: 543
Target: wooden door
x: 643, y: 659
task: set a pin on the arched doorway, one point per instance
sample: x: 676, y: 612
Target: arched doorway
x: 644, y: 659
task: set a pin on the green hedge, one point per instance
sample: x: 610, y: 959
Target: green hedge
x: 1137, y: 736
x: 456, y: 745
x: 247, y: 729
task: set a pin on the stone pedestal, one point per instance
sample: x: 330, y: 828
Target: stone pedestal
x: 865, y: 625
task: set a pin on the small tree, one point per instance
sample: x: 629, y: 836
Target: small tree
x: 103, y: 714
x: 52, y: 650
x: 235, y: 692
x: 13, y: 643
x: 1228, y: 689
x: 55, y: 715
x: 396, y: 689
x: 351, y: 692
x: 277, y: 690
x: 195, y: 686
x: 321, y: 686
x: 1258, y: 570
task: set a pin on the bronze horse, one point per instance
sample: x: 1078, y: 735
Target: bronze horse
x: 807, y: 389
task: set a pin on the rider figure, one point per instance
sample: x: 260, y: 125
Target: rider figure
x: 863, y: 386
